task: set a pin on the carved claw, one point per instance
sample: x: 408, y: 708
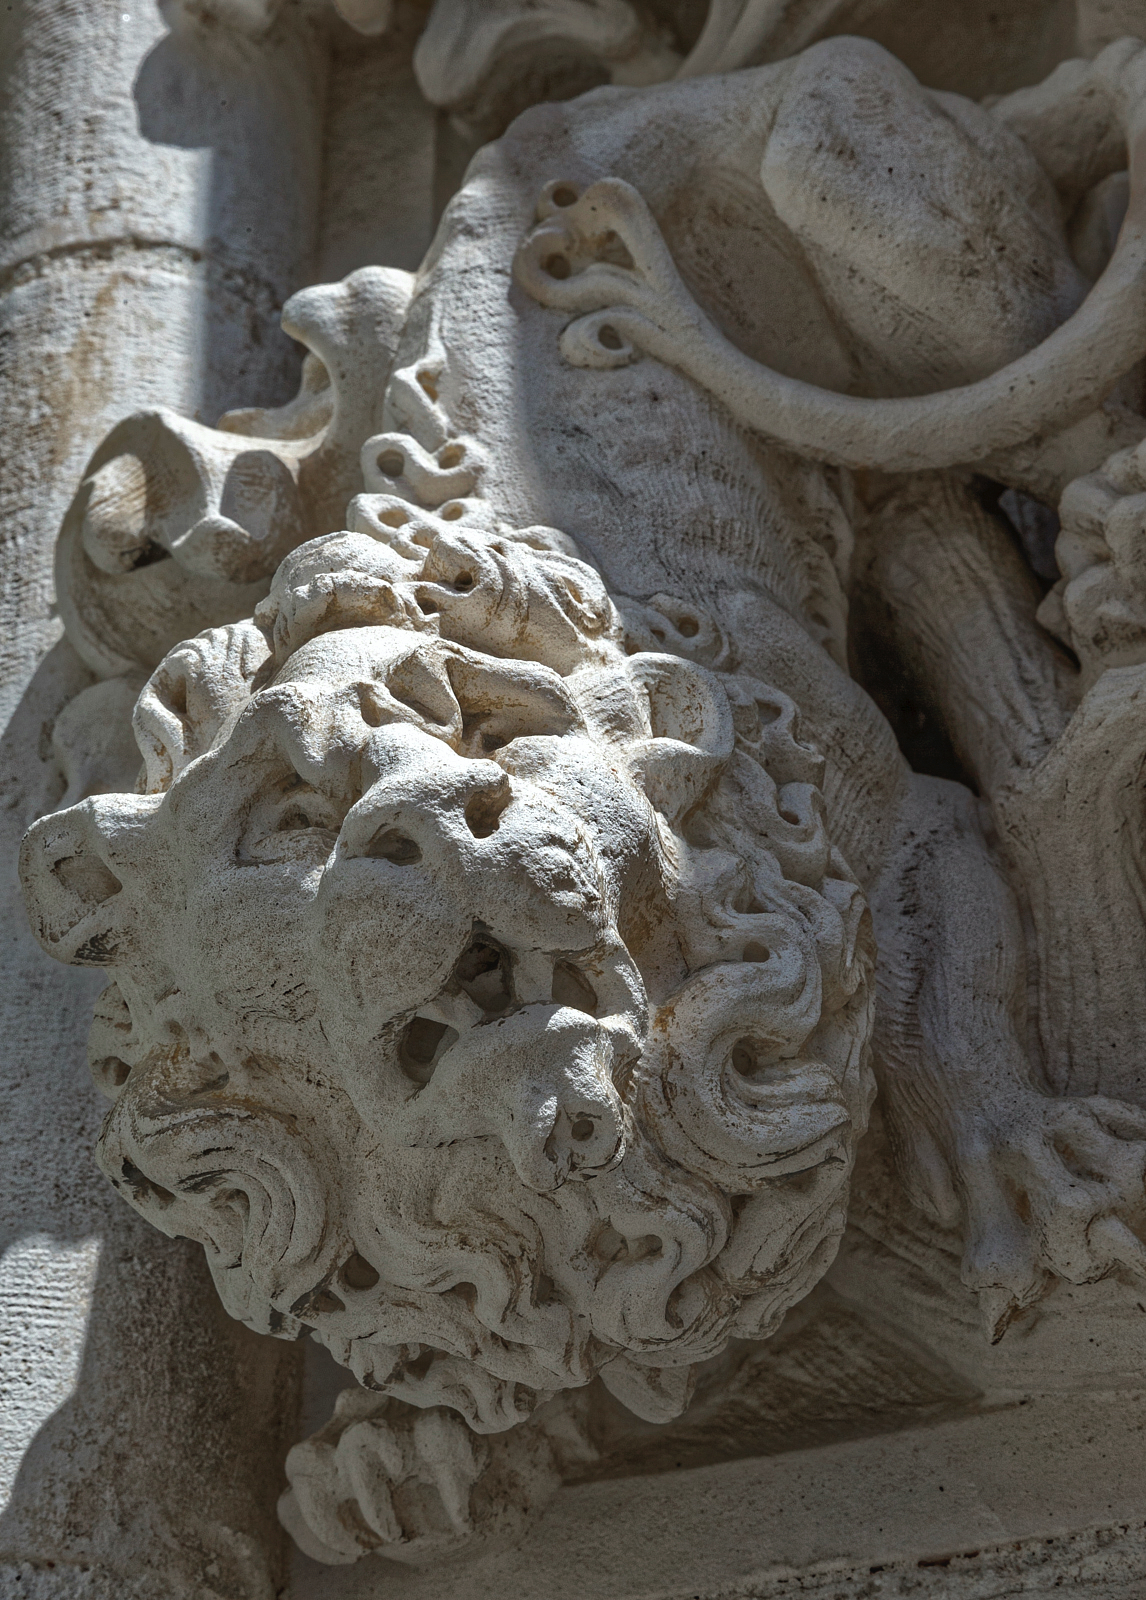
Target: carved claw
x: 601, y: 255
x: 1052, y: 1189
x: 416, y: 1485
x: 1098, y: 607
x: 347, y: 1481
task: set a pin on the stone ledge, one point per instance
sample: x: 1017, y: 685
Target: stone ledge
x: 924, y: 1510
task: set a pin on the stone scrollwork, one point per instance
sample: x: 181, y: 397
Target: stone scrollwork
x: 177, y: 526
x: 492, y: 932
x: 517, y: 925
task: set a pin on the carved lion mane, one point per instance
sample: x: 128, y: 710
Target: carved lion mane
x: 487, y: 994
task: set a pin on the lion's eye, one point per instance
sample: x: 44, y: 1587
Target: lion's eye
x: 422, y: 1044
x: 483, y: 973
x: 300, y: 824
x: 390, y: 844
x: 295, y: 818
x: 572, y: 988
x: 302, y: 807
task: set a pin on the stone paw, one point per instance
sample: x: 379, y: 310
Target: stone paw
x: 1053, y: 1188
x: 410, y: 1484
x: 1098, y: 607
x: 379, y: 1476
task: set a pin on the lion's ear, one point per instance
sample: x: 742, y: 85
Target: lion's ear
x: 77, y: 867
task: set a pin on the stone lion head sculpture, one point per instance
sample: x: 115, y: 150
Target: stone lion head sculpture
x: 486, y: 993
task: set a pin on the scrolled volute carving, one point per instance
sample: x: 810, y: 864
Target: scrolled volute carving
x: 176, y: 526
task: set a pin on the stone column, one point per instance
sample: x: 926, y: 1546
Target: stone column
x: 158, y: 195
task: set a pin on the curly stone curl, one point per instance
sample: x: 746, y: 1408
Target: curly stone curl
x: 590, y: 1104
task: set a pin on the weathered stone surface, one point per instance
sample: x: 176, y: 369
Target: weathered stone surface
x: 120, y: 286
x: 671, y: 677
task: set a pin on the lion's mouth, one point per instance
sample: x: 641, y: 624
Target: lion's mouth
x: 490, y: 981
x: 515, y: 1048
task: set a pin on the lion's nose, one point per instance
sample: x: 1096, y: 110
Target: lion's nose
x: 549, y: 1096
x: 585, y: 1139
x: 540, y: 1080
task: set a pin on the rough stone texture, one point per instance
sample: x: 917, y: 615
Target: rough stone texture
x: 122, y: 281
x: 948, y: 1510
x: 750, y: 541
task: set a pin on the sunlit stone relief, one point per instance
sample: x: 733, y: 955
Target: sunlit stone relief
x: 640, y: 756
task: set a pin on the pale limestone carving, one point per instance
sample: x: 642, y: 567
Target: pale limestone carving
x: 177, y: 526
x: 608, y: 938
x: 492, y: 980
